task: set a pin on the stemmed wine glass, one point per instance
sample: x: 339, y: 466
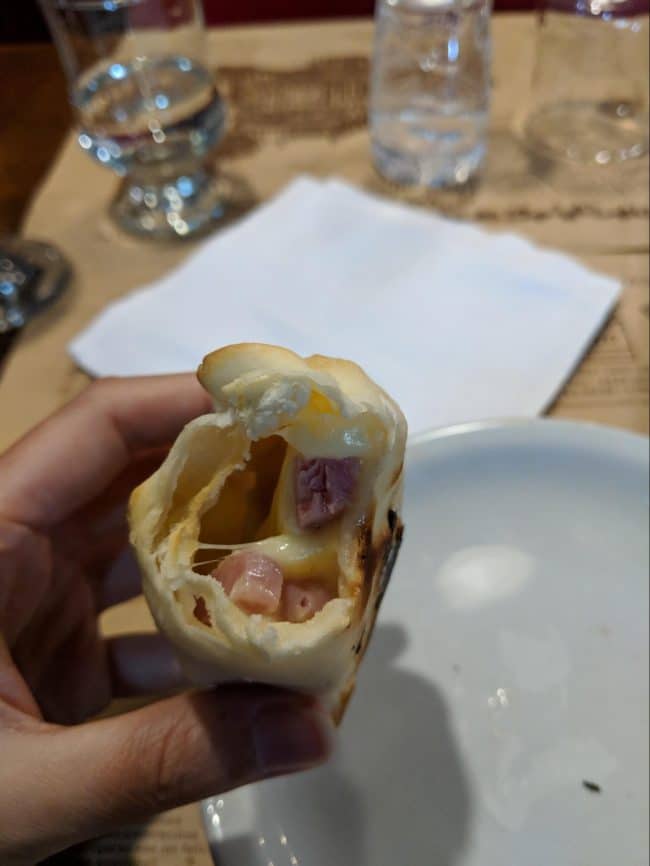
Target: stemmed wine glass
x: 147, y: 107
x: 33, y: 275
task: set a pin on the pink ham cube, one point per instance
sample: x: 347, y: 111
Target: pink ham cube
x: 253, y: 581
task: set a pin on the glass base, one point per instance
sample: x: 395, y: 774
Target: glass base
x: 434, y: 171
x: 173, y: 208
x: 584, y: 133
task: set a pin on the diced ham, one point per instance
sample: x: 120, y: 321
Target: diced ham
x: 324, y: 487
x: 252, y: 580
x: 303, y: 600
x: 201, y: 610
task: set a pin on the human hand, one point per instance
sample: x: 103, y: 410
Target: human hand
x: 63, y: 490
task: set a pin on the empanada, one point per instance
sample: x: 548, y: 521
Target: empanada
x: 267, y: 537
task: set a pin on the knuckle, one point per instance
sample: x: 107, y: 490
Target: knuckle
x: 26, y: 557
x: 164, y: 759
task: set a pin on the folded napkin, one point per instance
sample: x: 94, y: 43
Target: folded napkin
x: 456, y: 323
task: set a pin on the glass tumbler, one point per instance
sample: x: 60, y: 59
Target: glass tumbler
x: 430, y: 90
x: 589, y: 100
x: 146, y: 106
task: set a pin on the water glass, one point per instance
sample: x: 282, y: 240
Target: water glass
x: 146, y: 106
x: 589, y: 100
x: 430, y: 90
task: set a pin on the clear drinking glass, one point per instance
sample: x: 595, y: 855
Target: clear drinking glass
x: 430, y: 90
x: 146, y: 105
x: 589, y: 98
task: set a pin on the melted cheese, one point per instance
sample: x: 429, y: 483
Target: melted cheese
x: 301, y: 557
x: 319, y: 430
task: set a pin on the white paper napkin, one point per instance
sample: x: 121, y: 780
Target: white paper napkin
x: 456, y: 323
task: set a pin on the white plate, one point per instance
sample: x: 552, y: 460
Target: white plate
x: 509, y: 667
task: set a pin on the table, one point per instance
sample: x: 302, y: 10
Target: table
x: 298, y: 95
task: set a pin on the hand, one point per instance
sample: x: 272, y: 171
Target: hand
x: 62, y: 524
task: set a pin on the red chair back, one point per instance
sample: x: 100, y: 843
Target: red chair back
x: 218, y: 12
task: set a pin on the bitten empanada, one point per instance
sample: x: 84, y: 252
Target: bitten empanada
x: 267, y: 537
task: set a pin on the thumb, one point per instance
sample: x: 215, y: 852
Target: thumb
x: 88, y: 779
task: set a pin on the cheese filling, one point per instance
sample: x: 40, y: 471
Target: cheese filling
x: 271, y: 539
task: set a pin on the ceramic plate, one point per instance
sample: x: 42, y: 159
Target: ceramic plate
x: 501, y: 713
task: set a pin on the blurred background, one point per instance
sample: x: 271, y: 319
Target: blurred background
x: 34, y: 111
x: 23, y: 22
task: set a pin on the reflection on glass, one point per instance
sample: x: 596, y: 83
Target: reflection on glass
x: 589, y: 99
x: 146, y: 105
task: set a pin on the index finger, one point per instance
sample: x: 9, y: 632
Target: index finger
x: 73, y: 456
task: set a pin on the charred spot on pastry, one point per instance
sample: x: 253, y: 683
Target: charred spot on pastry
x: 365, y: 545
x: 201, y: 611
x: 371, y: 563
x: 392, y: 519
x: 390, y: 557
x: 374, y: 560
x: 361, y: 643
x: 379, y: 599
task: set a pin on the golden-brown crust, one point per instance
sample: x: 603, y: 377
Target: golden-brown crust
x: 388, y: 558
x: 231, y: 362
x: 344, y: 699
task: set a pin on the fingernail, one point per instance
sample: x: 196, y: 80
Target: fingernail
x: 290, y: 737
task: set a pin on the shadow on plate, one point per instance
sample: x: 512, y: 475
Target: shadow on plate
x: 396, y: 792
